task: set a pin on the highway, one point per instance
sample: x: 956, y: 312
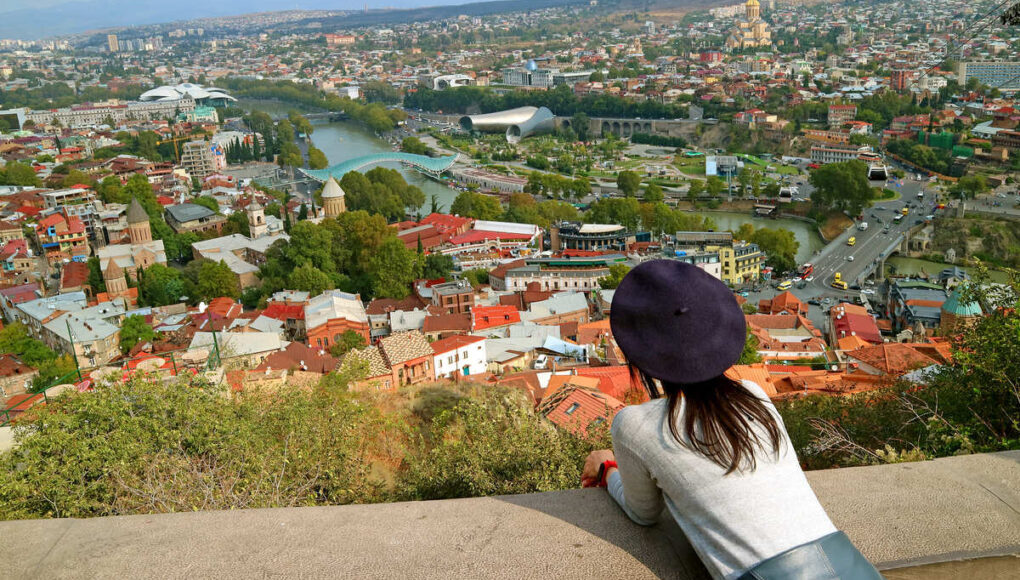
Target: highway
x: 873, y: 243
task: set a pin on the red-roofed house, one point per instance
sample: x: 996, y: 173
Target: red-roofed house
x: 892, y: 358
x: 445, y: 325
x: 850, y: 320
x: 448, y: 224
x: 459, y: 355
x: 291, y: 315
x: 489, y: 317
x: 578, y: 408
x: 785, y: 336
x: 783, y: 303
x: 62, y: 236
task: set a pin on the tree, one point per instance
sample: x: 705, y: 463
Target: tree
x: 628, y: 182
x: 696, y: 188
x: 96, y: 282
x: 160, y: 285
x: 213, y: 280
x: 316, y: 158
x: 780, y: 245
x: 616, y: 275
x: 17, y: 173
x: 842, y: 186
x: 208, y: 202
x: 437, y: 266
x: 714, y: 185
x: 413, y: 145
x: 476, y: 205
x: 653, y: 193
x: 392, y: 269
x: 348, y: 341
x: 969, y: 186
x: 750, y: 353
x: 625, y: 211
x: 580, y: 123
x: 309, y: 279
x: 133, y: 330
x: 111, y: 191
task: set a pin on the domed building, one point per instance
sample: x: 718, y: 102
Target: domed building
x: 210, y: 96
x: 957, y: 314
x: 333, y: 199
x: 751, y: 30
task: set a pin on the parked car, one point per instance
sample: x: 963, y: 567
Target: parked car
x: 814, y: 302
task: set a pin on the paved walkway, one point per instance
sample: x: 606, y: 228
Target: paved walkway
x: 899, y: 515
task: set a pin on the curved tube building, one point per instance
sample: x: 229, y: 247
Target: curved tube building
x: 518, y: 123
x: 497, y: 122
x: 542, y: 121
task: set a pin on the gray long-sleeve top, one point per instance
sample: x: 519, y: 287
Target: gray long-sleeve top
x: 733, y: 521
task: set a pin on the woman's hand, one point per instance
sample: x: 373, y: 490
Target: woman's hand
x: 590, y: 473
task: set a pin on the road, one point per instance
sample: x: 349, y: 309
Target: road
x: 870, y: 243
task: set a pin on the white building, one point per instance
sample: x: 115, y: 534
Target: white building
x: 461, y: 354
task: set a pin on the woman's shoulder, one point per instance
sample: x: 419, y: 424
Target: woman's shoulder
x: 636, y: 417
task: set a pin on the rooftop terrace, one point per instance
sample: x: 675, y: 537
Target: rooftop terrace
x: 900, y: 516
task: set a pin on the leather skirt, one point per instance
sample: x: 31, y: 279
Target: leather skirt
x: 831, y: 557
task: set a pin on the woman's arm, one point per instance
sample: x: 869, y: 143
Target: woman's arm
x: 642, y: 501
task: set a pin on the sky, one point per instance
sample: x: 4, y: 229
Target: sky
x: 243, y: 6
x: 32, y: 19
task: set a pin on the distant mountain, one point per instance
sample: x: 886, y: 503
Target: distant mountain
x: 58, y: 18
x: 381, y: 17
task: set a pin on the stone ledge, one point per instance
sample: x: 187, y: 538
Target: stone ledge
x: 899, y: 515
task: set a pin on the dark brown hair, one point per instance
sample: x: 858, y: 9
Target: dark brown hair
x: 718, y: 420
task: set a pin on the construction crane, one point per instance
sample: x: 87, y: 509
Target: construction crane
x: 175, y: 141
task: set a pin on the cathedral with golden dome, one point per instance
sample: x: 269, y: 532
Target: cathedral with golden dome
x: 751, y: 30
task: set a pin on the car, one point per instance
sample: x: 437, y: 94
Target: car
x: 809, y: 279
x: 814, y: 302
x: 867, y: 291
x: 785, y: 285
x: 849, y: 258
x: 744, y: 293
x: 929, y: 217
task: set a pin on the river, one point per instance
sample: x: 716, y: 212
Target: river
x: 802, y: 231
x: 345, y: 140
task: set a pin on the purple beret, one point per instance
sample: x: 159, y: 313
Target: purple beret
x: 676, y: 322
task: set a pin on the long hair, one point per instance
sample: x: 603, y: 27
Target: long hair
x: 718, y: 420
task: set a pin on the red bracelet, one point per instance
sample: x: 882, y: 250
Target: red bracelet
x: 605, y: 472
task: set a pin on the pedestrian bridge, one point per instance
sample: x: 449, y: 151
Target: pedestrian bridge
x: 423, y: 163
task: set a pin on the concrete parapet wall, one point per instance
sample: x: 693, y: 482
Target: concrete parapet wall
x: 899, y: 515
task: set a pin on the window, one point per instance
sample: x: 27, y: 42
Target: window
x: 573, y: 407
x: 449, y: 360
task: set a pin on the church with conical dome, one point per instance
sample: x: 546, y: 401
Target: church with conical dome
x: 751, y: 31
x: 333, y: 199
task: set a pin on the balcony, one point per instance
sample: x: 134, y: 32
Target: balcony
x: 906, y: 517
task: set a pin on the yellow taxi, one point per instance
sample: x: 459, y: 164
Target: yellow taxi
x: 851, y: 241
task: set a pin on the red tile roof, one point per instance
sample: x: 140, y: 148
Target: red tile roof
x: 298, y: 356
x: 445, y: 222
x: 893, y: 358
x: 458, y: 322
x: 493, y: 316
x: 475, y: 236
x: 615, y: 381
x: 284, y: 312
x: 454, y: 342
x: 579, y: 408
